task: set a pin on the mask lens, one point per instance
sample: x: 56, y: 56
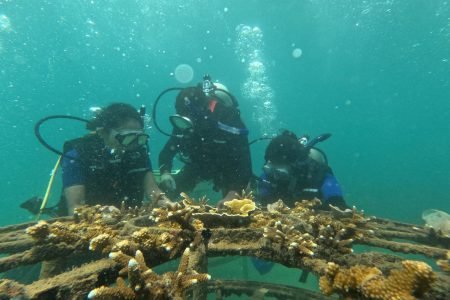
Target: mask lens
x: 142, y: 139
x: 277, y: 173
x: 181, y: 122
x: 130, y: 138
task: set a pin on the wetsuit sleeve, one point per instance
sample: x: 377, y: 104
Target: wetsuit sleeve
x: 72, y: 173
x: 332, y: 192
x: 167, y: 154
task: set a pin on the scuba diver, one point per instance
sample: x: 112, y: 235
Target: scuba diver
x: 111, y: 164
x: 107, y: 166
x: 294, y: 170
x: 211, y: 140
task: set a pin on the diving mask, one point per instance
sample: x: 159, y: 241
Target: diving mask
x: 129, y: 137
x: 277, y: 172
x: 181, y: 122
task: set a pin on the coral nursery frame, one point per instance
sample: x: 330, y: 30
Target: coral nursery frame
x: 125, y: 243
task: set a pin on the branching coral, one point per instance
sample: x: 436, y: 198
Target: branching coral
x: 444, y: 264
x: 175, y: 217
x: 39, y: 232
x: 145, y: 238
x: 278, y: 207
x: 305, y: 206
x: 200, y: 205
x: 146, y: 284
x: 94, y: 234
x: 297, y: 237
x: 413, y: 280
x: 289, y: 238
x: 305, y: 232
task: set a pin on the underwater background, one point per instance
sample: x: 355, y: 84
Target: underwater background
x: 375, y: 74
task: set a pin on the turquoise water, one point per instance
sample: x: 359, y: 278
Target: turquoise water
x: 376, y: 74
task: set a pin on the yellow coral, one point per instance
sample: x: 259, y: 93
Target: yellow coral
x: 413, y: 280
x: 240, y: 206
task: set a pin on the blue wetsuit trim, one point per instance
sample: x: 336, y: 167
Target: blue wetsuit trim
x: 330, y: 187
x: 71, y: 170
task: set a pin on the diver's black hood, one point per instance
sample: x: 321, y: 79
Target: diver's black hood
x: 189, y: 98
x: 285, y: 149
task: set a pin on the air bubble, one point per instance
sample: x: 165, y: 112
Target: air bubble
x: 184, y: 73
x: 297, y: 52
x: 5, y: 23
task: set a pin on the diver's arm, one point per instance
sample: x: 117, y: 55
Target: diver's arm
x: 228, y: 197
x: 153, y: 193
x: 75, y: 197
x: 332, y: 192
x: 167, y: 154
x: 73, y: 178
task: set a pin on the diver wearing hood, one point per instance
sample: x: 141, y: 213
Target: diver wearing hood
x: 294, y: 171
x: 108, y: 166
x: 210, y: 138
x: 111, y: 164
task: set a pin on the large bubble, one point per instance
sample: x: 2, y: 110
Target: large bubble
x: 297, y: 52
x: 184, y: 73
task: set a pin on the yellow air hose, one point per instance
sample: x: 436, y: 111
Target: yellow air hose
x: 49, y: 188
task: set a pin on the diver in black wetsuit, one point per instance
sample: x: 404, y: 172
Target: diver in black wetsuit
x: 211, y: 139
x: 108, y: 166
x: 111, y: 164
x: 295, y: 171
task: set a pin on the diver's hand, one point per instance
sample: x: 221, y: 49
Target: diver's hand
x: 229, y: 196
x: 220, y: 204
x: 167, y: 182
x: 166, y: 203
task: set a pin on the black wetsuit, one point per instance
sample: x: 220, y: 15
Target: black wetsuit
x: 108, y: 179
x: 211, y: 152
x: 309, y: 180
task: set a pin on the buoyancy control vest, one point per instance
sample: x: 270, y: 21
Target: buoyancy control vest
x: 109, y: 179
